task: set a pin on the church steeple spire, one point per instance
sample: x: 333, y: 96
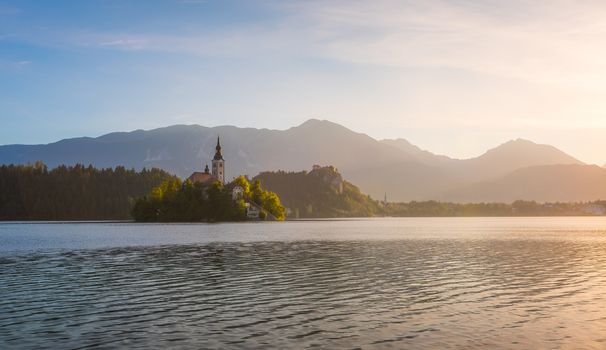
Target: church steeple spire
x: 218, y: 155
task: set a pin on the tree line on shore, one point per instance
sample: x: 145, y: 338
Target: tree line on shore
x: 517, y: 208
x: 312, y: 195
x: 33, y: 192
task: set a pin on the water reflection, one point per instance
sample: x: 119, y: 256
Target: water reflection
x: 429, y: 293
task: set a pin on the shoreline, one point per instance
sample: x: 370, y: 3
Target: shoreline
x: 60, y: 222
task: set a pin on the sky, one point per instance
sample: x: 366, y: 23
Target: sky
x: 454, y: 77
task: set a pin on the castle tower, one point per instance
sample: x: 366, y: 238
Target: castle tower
x: 219, y: 164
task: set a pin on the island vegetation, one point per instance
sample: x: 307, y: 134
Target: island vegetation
x: 177, y: 201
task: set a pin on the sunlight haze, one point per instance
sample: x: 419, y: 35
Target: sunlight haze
x: 294, y: 174
x: 453, y: 77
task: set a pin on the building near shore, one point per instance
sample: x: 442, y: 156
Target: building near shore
x: 594, y: 209
x: 217, y: 174
x: 218, y: 169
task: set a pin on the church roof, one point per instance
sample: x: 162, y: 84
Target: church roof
x: 201, y: 177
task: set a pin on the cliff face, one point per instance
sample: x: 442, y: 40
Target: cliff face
x: 330, y: 176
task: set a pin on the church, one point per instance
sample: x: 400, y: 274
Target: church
x: 218, y: 169
x: 207, y: 177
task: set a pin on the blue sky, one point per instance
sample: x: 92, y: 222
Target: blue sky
x: 455, y: 77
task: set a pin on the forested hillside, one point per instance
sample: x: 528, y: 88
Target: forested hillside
x: 33, y: 192
x: 320, y: 193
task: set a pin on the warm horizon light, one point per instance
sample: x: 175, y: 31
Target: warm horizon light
x: 452, y: 77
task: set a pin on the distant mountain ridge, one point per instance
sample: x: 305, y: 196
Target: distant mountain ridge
x: 419, y: 154
x: 545, y: 183
x: 394, y: 167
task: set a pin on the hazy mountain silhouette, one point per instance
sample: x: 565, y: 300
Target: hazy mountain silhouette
x: 510, y: 156
x: 547, y: 183
x: 395, y: 167
x: 419, y: 154
x: 495, y: 162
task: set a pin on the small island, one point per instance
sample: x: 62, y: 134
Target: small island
x: 206, y: 197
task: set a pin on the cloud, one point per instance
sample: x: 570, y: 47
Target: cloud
x: 14, y: 65
x: 233, y: 43
x: 9, y: 10
x: 556, y: 42
x: 545, y: 42
x: 5, y: 36
x: 126, y: 44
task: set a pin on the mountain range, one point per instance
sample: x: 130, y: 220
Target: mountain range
x: 517, y: 169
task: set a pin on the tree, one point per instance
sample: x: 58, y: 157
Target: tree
x: 176, y: 201
x: 33, y: 192
x: 243, y: 182
x: 320, y: 193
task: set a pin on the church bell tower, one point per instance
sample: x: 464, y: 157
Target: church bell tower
x: 219, y: 164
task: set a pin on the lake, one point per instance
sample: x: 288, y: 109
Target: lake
x: 414, y: 283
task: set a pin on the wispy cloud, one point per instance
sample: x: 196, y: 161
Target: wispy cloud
x: 126, y: 44
x: 5, y: 36
x: 14, y: 65
x: 9, y: 10
x: 556, y: 42
x: 193, y: 1
x: 237, y: 43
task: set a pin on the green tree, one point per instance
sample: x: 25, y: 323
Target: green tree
x: 176, y: 201
x: 243, y: 182
x: 33, y: 192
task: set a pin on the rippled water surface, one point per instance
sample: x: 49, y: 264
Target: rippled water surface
x: 386, y: 283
